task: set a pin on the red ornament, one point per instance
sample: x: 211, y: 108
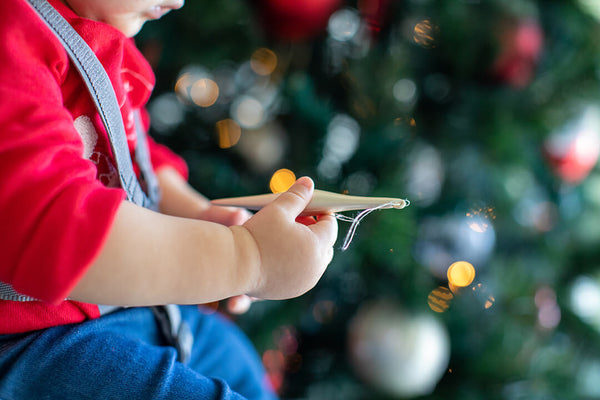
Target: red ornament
x: 521, y: 44
x: 573, y: 152
x: 295, y: 20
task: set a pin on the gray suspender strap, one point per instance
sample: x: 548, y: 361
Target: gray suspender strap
x: 8, y: 293
x: 102, y: 92
x: 100, y: 87
x: 142, y: 157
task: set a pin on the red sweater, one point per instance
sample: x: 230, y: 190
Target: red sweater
x: 59, y: 189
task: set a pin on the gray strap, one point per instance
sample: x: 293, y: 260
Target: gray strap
x: 8, y: 293
x: 102, y: 92
x: 100, y: 87
x: 142, y: 157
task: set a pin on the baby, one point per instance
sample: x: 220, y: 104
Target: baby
x: 71, y: 241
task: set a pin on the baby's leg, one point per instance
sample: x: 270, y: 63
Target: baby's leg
x: 123, y: 355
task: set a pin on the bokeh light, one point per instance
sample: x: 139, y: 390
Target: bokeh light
x: 424, y: 33
x: 264, y: 148
x: 461, y: 274
x: 479, y: 218
x: 204, y: 92
x: 229, y: 133
x: 405, y: 91
x: 487, y: 300
x: 425, y: 174
x: 439, y: 299
x: 263, y: 61
x: 344, y: 24
x: 592, y: 7
x: 248, y: 112
x: 405, y: 121
x: 183, y: 86
x: 585, y: 300
x: 273, y: 360
x: 166, y: 112
x: 286, y: 339
x: 341, y: 142
x: 274, y: 363
x: 281, y: 180
x: 548, y: 310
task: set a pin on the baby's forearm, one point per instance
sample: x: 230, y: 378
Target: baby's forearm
x: 178, y: 197
x: 150, y: 258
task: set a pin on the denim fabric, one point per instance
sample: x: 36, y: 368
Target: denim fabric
x: 123, y: 355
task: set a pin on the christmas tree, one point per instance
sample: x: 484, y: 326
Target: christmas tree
x: 484, y: 114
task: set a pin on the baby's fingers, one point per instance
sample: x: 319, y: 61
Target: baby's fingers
x: 325, y: 229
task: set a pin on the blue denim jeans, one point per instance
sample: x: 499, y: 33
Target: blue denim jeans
x: 123, y: 355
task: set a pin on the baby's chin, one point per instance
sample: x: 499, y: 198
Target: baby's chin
x: 131, y: 27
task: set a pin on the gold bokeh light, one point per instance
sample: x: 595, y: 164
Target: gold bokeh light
x: 461, y: 274
x: 229, y: 133
x: 481, y: 218
x: 204, y: 92
x: 424, y: 33
x: 439, y: 299
x: 183, y: 86
x: 263, y: 61
x: 282, y: 180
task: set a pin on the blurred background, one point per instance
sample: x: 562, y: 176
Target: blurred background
x: 485, y: 114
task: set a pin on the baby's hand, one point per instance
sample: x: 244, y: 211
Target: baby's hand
x: 293, y: 256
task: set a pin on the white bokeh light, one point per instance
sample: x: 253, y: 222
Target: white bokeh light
x: 248, y: 112
x: 344, y: 24
x: 405, y: 91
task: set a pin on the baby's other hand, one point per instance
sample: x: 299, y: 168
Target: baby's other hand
x: 240, y: 304
x: 227, y: 216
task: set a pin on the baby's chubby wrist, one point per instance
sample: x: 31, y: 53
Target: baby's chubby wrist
x: 248, y: 260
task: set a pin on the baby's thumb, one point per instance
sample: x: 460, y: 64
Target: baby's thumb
x: 297, y: 197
